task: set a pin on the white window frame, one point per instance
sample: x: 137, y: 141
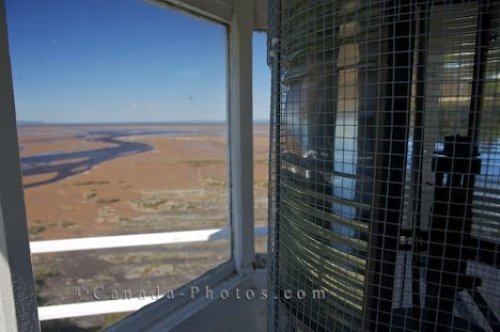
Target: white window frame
x: 18, y: 310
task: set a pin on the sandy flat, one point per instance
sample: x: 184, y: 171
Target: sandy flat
x: 145, y: 192
x: 180, y: 184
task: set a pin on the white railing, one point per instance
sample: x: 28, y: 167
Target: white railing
x: 73, y: 310
x: 80, y: 309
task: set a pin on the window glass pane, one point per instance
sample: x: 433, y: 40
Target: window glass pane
x: 121, y: 107
x: 261, y: 115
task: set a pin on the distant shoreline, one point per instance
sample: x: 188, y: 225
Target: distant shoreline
x: 180, y: 123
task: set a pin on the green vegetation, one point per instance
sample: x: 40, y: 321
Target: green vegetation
x: 113, y: 318
x: 107, y: 200
x: 88, y: 183
x: 73, y: 325
x: 36, y: 229
x: 213, y: 182
x: 203, y: 162
x: 66, y: 325
x: 44, y: 273
x: 92, y: 193
x: 66, y: 223
x: 261, y: 183
x: 41, y: 300
x: 149, y: 203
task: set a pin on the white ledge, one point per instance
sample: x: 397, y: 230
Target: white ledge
x: 92, y: 308
x: 135, y: 240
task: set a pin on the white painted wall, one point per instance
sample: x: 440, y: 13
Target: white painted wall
x: 240, y: 134
x: 18, y: 311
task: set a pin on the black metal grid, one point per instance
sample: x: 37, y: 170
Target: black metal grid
x: 385, y: 165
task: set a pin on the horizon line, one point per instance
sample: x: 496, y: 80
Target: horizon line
x: 39, y: 123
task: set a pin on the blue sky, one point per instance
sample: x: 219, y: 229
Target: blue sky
x: 121, y: 61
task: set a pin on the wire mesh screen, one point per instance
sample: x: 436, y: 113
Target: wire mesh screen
x: 385, y: 165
